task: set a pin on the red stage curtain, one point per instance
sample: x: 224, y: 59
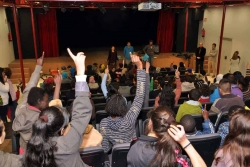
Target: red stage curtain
x: 165, y: 31
x: 48, y: 36
x: 21, y: 2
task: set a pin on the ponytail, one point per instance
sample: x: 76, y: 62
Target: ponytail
x: 40, y: 149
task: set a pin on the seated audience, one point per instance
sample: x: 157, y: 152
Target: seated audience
x: 157, y: 88
x: 205, y: 93
x: 227, y: 98
x: 124, y: 89
x: 188, y: 122
x: 187, y: 84
x: 92, y: 84
x: 100, y: 72
x: 235, y: 150
x: 65, y: 75
x: 182, y: 67
x: 243, y: 84
x: 48, y: 85
x: 71, y: 93
x: 90, y: 71
x: 119, y: 127
x: 166, y: 97
x: 34, y: 100
x: 163, y: 144
x: 189, y: 71
x: 6, y: 159
x: 192, y: 106
x: 13, y: 98
x: 224, y: 127
x: 118, y: 71
x: 113, y: 74
x: 40, y: 150
x: 215, y: 88
x: 235, y: 89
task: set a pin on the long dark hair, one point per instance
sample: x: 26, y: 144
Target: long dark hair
x: 167, y: 97
x: 237, y: 142
x: 162, y: 118
x: 1, y: 76
x: 40, y: 150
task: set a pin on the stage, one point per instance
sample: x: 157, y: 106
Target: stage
x: 92, y: 56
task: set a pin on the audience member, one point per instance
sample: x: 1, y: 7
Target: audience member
x: 124, y: 89
x: 235, y: 150
x: 6, y: 159
x: 189, y: 71
x: 48, y: 85
x: 224, y: 127
x: 119, y: 127
x: 71, y: 94
x: 182, y: 67
x: 4, y: 96
x: 178, y: 89
x: 90, y: 71
x: 187, y: 85
x: 40, y: 150
x: 160, y: 147
x: 92, y: 84
x: 205, y: 93
x: 113, y: 74
x: 166, y: 97
x: 235, y: 89
x: 34, y: 100
x: 118, y: 71
x: 12, y: 98
x: 192, y: 106
x: 215, y: 88
x: 243, y: 84
x: 189, y: 124
x: 100, y: 72
x: 72, y: 71
x: 158, y: 84
x: 227, y: 98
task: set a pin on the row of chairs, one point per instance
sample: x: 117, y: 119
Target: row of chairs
x: 205, y: 145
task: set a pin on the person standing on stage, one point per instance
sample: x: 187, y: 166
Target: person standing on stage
x: 212, y: 57
x: 200, y: 54
x: 150, y: 50
x: 112, y: 58
x: 127, y: 50
x: 235, y: 62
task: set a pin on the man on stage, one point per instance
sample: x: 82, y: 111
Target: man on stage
x: 212, y: 57
x: 150, y: 50
x: 127, y: 50
x: 200, y: 54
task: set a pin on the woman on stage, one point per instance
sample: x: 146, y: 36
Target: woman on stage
x: 112, y: 58
x: 234, y: 62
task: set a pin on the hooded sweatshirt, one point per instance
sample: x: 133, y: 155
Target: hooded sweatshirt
x: 189, y: 107
x: 187, y: 86
x: 122, y: 129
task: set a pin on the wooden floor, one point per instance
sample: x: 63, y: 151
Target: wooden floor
x: 100, y: 57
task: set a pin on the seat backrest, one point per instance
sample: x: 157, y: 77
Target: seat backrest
x: 144, y: 112
x: 93, y: 156
x: 69, y: 102
x: 247, y: 103
x: 99, y: 100
x: 98, y: 118
x: 185, y: 93
x: 151, y: 102
x: 119, y: 155
x: 96, y: 95
x: 65, y: 86
x: 100, y: 106
x: 206, y: 145
x: 182, y: 100
x: 223, y: 117
x: 130, y: 98
x: 15, y: 142
x: 208, y: 105
x: 198, y: 120
x: 176, y: 108
x: 213, y: 117
x: 94, y: 90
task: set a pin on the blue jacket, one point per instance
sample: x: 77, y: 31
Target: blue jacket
x: 215, y: 95
x: 127, y: 51
x: 223, y: 131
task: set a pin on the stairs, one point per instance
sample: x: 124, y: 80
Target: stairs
x: 16, y: 74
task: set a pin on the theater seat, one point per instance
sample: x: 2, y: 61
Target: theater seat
x: 223, y: 117
x: 206, y: 145
x: 119, y: 155
x: 93, y: 156
x: 99, y: 116
x: 15, y: 143
x: 176, y: 108
x: 199, y: 119
x: 98, y: 99
x: 247, y: 103
x: 100, y: 106
x: 151, y: 102
x: 69, y: 102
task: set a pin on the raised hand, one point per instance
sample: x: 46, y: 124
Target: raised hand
x: 79, y: 60
x: 147, y: 66
x: 58, y: 79
x: 107, y: 69
x: 178, y: 134
x: 136, y: 60
x: 205, y: 113
x: 39, y: 61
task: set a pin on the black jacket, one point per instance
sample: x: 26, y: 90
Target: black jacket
x: 200, y: 54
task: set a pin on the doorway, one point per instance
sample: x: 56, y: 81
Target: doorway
x: 225, y: 55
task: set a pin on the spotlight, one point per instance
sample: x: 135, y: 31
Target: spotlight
x: 134, y: 7
x: 46, y: 7
x: 63, y: 9
x: 166, y: 7
x: 103, y: 10
x: 81, y: 7
x: 123, y: 7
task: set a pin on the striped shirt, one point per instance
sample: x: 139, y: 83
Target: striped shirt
x: 122, y: 130
x: 246, y: 94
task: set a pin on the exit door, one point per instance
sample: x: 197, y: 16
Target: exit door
x: 226, y: 55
